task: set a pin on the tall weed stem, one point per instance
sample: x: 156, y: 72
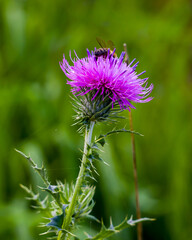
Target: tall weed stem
x: 138, y: 212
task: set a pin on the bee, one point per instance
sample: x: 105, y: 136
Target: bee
x: 103, y: 51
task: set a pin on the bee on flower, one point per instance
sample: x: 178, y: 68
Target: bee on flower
x: 108, y: 81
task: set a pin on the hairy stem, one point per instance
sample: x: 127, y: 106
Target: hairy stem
x: 138, y: 212
x: 79, y: 181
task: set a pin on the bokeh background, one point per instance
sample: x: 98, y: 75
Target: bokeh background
x: 36, y: 114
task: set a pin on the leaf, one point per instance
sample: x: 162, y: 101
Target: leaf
x: 41, y: 204
x: 41, y: 171
x: 94, y: 156
x: 122, y: 130
x: 90, y: 217
x: 107, y: 232
x: 101, y: 138
x: 94, y: 146
x: 57, y: 221
x: 55, y: 194
x: 104, y: 233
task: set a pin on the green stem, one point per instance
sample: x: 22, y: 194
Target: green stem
x: 78, y: 185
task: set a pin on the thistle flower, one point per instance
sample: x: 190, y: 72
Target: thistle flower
x: 108, y: 81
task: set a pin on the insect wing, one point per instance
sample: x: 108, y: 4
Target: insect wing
x: 110, y: 44
x: 101, y: 42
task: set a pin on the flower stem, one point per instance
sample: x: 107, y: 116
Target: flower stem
x: 79, y: 181
x: 138, y: 212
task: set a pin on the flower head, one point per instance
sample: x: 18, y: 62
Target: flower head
x: 107, y: 76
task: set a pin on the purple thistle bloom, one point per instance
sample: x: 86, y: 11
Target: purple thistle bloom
x: 107, y: 76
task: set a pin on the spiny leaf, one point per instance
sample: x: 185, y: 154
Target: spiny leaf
x: 41, y: 204
x: 95, y: 146
x: 104, y: 233
x: 94, y: 156
x: 132, y: 222
x: 107, y: 232
x: 27, y: 190
x: 55, y: 194
x: 56, y: 231
x: 122, y: 130
x: 101, y: 138
x: 57, y: 221
x: 48, y: 231
x: 90, y: 176
x: 41, y: 171
x: 91, y: 217
x: 85, y: 204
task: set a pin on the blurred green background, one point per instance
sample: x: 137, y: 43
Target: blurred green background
x: 36, y: 114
